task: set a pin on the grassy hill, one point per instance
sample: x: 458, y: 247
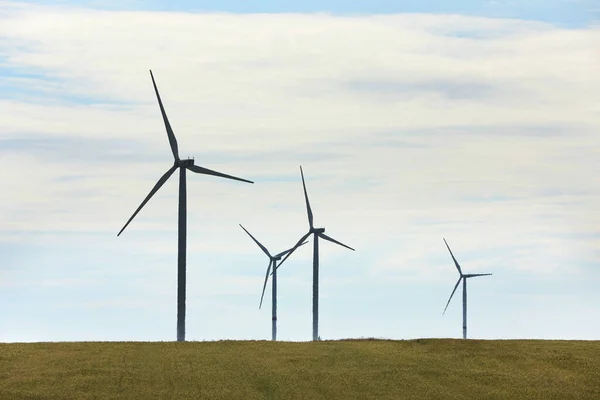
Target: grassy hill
x: 347, y: 369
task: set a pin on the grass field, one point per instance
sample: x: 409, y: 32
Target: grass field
x: 347, y: 369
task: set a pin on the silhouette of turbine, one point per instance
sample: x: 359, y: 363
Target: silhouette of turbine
x: 464, y: 278
x: 272, y: 263
x: 318, y: 233
x: 183, y: 165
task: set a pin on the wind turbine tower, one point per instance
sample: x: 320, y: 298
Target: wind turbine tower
x: 272, y: 264
x: 182, y: 165
x: 317, y: 233
x: 464, y: 278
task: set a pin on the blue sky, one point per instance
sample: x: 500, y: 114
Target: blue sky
x: 413, y: 122
x: 561, y: 12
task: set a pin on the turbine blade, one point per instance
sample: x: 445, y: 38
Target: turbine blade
x: 324, y: 236
x: 160, y: 182
x: 475, y: 275
x: 308, y: 210
x: 265, y: 285
x: 457, y: 283
x: 455, y: 262
x: 286, y: 251
x: 257, y: 242
x: 206, y: 171
x: 302, y: 239
x: 170, y: 134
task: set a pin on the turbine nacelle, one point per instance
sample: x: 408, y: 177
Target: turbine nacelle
x: 317, y: 230
x: 188, y: 162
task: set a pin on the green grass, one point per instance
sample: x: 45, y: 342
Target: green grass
x: 347, y: 369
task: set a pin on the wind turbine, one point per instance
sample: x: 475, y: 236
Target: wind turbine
x: 464, y: 278
x: 183, y: 165
x: 272, y: 263
x: 318, y: 233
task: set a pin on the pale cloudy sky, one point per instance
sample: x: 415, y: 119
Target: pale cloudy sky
x: 477, y: 121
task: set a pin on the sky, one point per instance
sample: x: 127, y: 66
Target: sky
x: 474, y: 121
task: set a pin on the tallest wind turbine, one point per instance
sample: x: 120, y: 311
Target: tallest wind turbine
x: 464, y: 278
x: 183, y: 165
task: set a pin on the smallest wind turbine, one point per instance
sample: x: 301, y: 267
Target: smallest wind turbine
x: 464, y: 278
x: 272, y: 263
